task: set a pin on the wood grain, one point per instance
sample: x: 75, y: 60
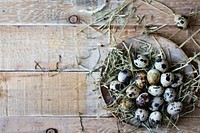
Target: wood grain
x: 58, y: 12
x: 39, y: 30
x: 25, y: 94
x: 21, y: 46
x: 91, y: 125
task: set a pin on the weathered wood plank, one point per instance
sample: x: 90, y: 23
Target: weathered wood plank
x: 58, y: 12
x: 21, y: 46
x: 72, y: 125
x: 25, y: 94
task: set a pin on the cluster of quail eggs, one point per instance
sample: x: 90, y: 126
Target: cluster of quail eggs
x: 149, y: 92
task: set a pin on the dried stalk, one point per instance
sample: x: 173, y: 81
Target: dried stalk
x: 189, y: 38
x: 81, y: 121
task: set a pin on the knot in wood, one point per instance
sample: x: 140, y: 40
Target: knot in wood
x: 51, y: 130
x: 73, y: 19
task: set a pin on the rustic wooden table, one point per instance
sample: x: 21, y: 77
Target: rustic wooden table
x: 36, y: 36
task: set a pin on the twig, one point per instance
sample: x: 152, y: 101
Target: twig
x: 172, y: 12
x: 171, y: 123
x: 190, y: 111
x: 152, y: 31
x: 81, y: 121
x: 186, y: 64
x: 189, y: 38
x: 60, y: 60
x: 174, y: 33
x: 195, y: 42
x: 38, y: 65
x: 149, y: 44
x: 161, y: 50
x: 88, y: 25
x: 154, y: 7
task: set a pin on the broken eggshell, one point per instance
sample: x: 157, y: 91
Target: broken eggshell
x: 141, y: 61
x: 181, y: 21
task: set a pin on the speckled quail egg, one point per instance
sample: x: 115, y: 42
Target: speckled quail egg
x: 156, y: 103
x: 169, y: 95
x: 116, y: 86
x: 143, y: 100
x: 153, y: 76
x: 141, y: 114
x: 178, y: 80
x: 141, y: 79
x: 161, y: 65
x: 126, y: 104
x: 155, y: 90
x: 133, y: 92
x: 181, y: 21
x: 174, y: 108
x: 167, y: 79
x: 155, y: 118
x: 124, y: 76
x: 141, y: 61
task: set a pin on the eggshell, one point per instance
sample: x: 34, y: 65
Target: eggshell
x: 133, y: 92
x: 141, y: 61
x: 153, y: 76
x: 174, y: 108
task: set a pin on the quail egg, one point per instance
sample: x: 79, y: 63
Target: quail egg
x: 141, y: 61
x: 155, y: 90
x: 161, y: 65
x: 155, y: 118
x: 181, y: 21
x: 141, y: 79
x: 126, y: 104
x: 153, y: 76
x: 156, y: 103
x: 169, y: 95
x: 141, y: 114
x: 174, y: 108
x: 143, y: 100
x: 167, y: 79
x: 116, y: 86
x: 133, y: 92
x: 178, y: 80
x: 124, y: 76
